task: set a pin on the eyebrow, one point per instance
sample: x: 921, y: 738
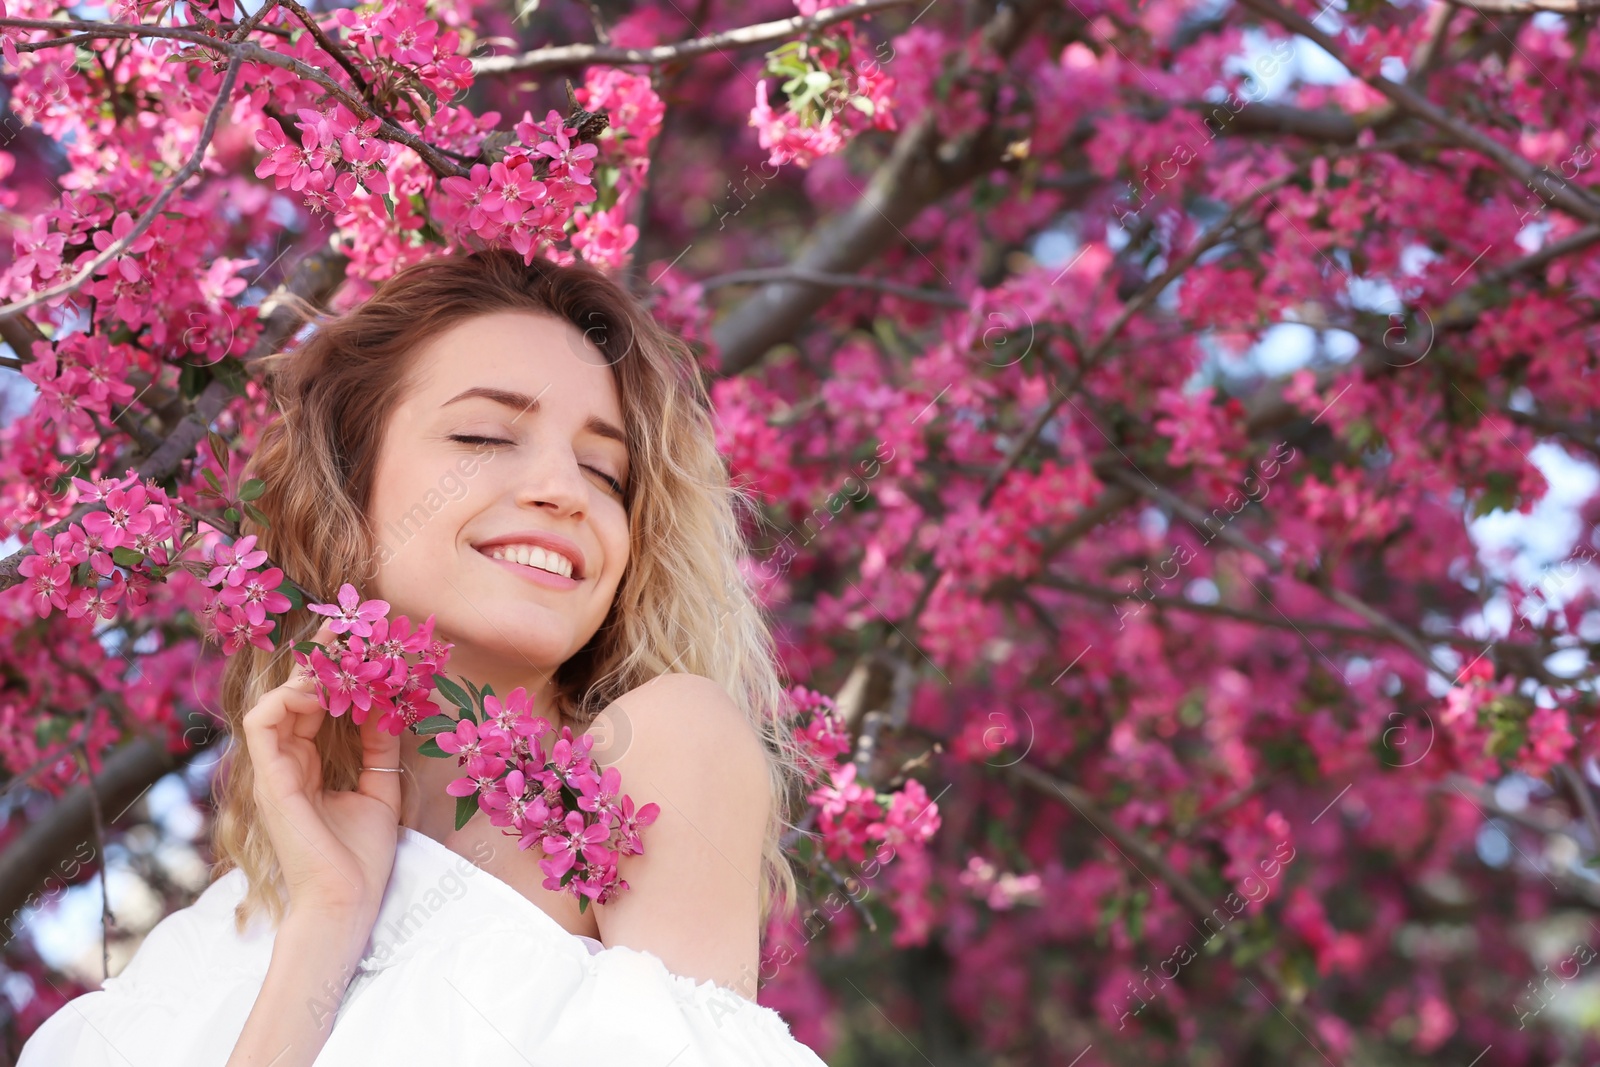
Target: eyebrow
x: 525, y: 403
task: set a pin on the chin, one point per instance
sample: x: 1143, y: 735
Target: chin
x: 517, y: 643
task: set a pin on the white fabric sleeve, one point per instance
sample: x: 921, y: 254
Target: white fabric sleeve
x: 461, y: 970
x: 182, y: 999
x: 525, y: 996
x: 701, y: 1024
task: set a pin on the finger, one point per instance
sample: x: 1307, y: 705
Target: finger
x: 302, y: 677
x: 301, y: 692
x: 260, y: 730
x: 379, y: 748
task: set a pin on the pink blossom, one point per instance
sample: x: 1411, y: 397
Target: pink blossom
x: 411, y: 38
x: 235, y: 562
x: 126, y: 515
x: 124, y: 262
x: 257, y: 594
x: 352, y: 614
x: 235, y: 628
x: 349, y: 682
x: 38, y: 251
x: 512, y: 190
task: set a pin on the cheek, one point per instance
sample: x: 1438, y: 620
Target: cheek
x: 418, y: 504
x: 615, y: 542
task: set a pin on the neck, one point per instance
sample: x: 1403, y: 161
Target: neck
x: 429, y: 809
x: 495, y: 673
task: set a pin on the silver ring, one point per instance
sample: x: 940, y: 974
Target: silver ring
x: 392, y: 770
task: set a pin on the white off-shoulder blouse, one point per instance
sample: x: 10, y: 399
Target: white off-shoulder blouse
x: 460, y: 968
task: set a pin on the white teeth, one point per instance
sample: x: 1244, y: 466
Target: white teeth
x: 532, y: 556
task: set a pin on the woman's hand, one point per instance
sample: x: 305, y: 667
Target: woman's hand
x: 335, y: 847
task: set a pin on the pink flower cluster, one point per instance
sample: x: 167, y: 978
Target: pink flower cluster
x: 604, y: 237
x: 136, y: 527
x: 1482, y: 729
x: 375, y: 663
x: 80, y: 374
x: 817, y: 727
x: 546, y: 789
x: 335, y: 154
x: 850, y: 813
x: 512, y: 200
x: 238, y: 613
x: 400, y: 33
x: 857, y: 96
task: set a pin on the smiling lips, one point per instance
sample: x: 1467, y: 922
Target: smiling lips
x: 538, y: 549
x: 533, y: 556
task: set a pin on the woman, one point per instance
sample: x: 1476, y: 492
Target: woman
x: 523, y: 453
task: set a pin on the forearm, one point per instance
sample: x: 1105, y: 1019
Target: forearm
x: 313, y: 960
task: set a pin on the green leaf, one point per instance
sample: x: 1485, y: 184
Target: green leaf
x: 453, y: 693
x: 430, y: 747
x: 127, y: 557
x: 297, y: 599
x: 819, y: 80
x: 219, y: 449
x: 252, y: 489
x: 1135, y: 913
x: 583, y: 902
x: 306, y: 646
x: 211, y: 476
x: 232, y: 515
x: 862, y: 104
x: 255, y: 514
x: 388, y: 203
x: 52, y: 730
x: 1499, y: 494
x: 230, y: 372
x: 465, y: 806
x: 435, y: 724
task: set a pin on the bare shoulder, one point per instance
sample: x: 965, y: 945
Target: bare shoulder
x: 686, y: 721
x: 681, y: 742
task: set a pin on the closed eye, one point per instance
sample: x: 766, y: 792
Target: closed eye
x: 472, y: 439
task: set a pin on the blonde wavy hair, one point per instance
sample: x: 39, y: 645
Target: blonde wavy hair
x: 683, y: 601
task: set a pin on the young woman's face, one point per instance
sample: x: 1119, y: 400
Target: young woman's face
x: 503, y: 438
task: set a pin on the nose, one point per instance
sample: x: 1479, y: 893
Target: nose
x: 553, y: 479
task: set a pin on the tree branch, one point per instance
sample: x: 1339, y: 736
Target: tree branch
x: 120, y: 245
x: 124, y: 776
x: 837, y: 281
x: 1550, y: 187
x: 1528, y: 7
x: 249, y: 51
x: 921, y: 169
x: 576, y: 55
x: 316, y: 278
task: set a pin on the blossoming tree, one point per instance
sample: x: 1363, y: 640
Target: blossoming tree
x: 1170, y: 703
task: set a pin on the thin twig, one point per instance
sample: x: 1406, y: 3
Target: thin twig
x: 106, y: 918
x: 254, y: 53
x: 321, y: 37
x: 1548, y: 186
x: 117, y: 247
x: 817, y: 277
x: 574, y: 55
x: 1580, y: 792
x: 1528, y: 7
